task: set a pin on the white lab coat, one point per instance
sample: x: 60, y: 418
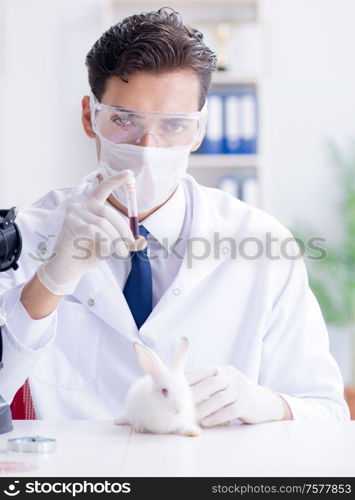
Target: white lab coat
x: 258, y: 315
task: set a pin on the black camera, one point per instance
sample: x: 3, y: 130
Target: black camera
x: 10, y: 251
x: 10, y: 240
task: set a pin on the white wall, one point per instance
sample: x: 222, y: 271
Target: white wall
x: 43, y: 144
x: 309, y: 95
x: 309, y: 99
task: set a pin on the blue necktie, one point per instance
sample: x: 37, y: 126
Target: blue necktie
x: 138, y: 288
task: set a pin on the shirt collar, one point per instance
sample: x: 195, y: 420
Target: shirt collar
x: 165, y: 224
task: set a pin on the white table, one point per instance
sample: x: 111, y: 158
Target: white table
x: 91, y: 448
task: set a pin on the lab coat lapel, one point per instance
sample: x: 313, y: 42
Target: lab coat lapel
x: 100, y: 293
x: 207, y: 224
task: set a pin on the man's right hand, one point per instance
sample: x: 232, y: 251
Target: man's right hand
x: 91, y: 231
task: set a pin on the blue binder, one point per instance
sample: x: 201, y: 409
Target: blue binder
x: 249, y: 190
x: 232, y: 107
x: 213, y: 141
x: 249, y: 123
x: 230, y: 184
x: 232, y: 123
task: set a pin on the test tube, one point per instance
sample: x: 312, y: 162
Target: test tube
x: 130, y: 186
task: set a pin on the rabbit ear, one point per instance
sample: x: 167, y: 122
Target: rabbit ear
x: 180, y: 355
x: 148, y: 360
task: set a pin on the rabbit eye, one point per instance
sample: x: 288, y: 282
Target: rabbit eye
x: 165, y: 391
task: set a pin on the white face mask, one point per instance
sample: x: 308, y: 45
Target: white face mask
x: 157, y: 170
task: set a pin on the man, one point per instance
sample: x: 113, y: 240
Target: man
x: 86, y: 288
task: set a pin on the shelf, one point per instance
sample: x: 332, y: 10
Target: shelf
x: 223, y: 160
x: 228, y: 10
x: 235, y: 3
x: 230, y: 78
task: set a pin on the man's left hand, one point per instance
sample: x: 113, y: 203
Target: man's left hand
x: 223, y: 394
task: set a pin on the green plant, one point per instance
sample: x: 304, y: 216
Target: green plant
x: 332, y: 278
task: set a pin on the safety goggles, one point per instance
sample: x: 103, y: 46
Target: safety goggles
x: 127, y: 126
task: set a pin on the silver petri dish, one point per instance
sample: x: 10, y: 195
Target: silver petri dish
x: 31, y: 444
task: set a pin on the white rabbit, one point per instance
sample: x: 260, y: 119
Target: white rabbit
x: 161, y: 402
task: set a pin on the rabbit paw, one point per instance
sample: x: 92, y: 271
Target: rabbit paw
x: 139, y: 429
x: 121, y: 420
x: 191, y: 431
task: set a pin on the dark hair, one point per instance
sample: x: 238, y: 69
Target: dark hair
x: 156, y: 41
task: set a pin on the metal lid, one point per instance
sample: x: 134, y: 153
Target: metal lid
x: 32, y: 444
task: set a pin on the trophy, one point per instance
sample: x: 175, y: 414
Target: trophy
x: 222, y: 35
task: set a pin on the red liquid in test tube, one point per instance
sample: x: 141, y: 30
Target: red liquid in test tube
x: 133, y: 224
x: 130, y: 186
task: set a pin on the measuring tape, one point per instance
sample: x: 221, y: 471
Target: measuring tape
x: 31, y: 444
